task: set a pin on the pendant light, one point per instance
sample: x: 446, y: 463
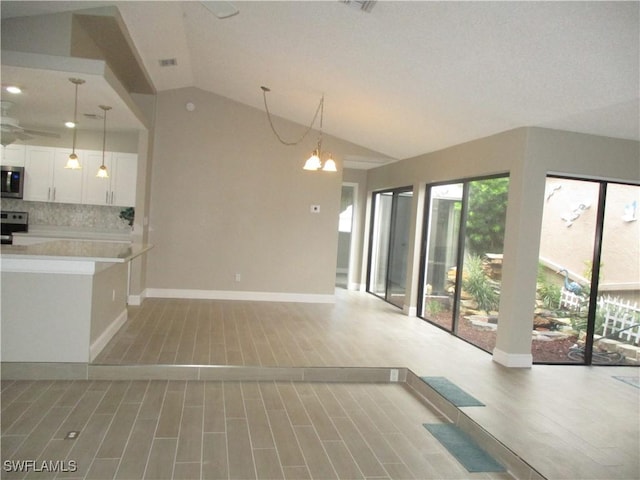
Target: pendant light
x: 73, y: 162
x: 314, y: 162
x: 102, y: 171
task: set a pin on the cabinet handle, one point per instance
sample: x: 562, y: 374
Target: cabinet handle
x: 112, y: 197
x: 106, y: 197
x: 49, y: 194
x: 54, y: 194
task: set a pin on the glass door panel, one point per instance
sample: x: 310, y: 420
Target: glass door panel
x: 567, y: 244
x: 439, y: 288
x: 484, y: 225
x: 389, y: 243
x: 380, y: 237
x: 617, y: 317
x: 398, y: 250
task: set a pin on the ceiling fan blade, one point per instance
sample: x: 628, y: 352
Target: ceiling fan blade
x: 8, y: 137
x: 41, y: 133
x: 221, y: 9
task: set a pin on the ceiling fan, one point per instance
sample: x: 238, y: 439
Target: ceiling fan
x: 10, y: 129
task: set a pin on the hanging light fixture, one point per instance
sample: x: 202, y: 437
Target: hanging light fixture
x: 102, y: 171
x: 72, y: 161
x: 314, y: 162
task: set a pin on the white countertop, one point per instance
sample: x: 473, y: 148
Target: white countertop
x: 52, y: 231
x: 76, y: 250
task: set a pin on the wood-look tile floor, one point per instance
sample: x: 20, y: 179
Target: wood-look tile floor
x: 568, y: 422
x: 221, y: 430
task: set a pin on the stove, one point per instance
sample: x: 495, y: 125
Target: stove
x: 13, y: 222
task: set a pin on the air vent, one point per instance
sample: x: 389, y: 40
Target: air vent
x: 364, y: 5
x: 168, y: 62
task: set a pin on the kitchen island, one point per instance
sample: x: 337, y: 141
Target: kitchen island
x: 62, y: 301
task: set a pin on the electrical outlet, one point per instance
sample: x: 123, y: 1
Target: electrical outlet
x: 238, y: 277
x: 393, y: 375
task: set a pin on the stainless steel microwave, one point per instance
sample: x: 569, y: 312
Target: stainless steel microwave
x: 12, y: 181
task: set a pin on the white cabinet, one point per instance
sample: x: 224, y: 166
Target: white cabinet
x: 46, y: 179
x: 13, y: 155
x: 124, y: 179
x: 120, y: 188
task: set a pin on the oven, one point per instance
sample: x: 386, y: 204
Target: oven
x: 13, y: 222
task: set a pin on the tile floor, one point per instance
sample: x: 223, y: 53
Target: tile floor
x: 218, y: 430
x: 568, y: 422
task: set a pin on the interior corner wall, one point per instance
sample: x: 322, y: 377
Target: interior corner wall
x: 487, y: 156
x: 230, y: 206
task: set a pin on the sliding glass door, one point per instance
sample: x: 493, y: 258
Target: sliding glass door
x: 588, y: 287
x: 462, y: 258
x: 389, y: 243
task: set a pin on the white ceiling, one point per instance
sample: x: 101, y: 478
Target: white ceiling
x: 409, y: 77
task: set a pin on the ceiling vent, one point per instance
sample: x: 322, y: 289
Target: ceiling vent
x: 364, y: 5
x: 168, y: 62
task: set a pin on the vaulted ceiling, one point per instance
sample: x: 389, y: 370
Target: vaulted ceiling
x: 405, y: 78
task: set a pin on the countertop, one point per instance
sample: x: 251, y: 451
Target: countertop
x: 51, y: 231
x: 76, y: 250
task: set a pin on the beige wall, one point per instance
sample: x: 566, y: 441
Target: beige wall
x: 227, y: 198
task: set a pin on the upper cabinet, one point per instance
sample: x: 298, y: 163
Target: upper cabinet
x: 120, y: 188
x: 13, y: 155
x: 46, y: 179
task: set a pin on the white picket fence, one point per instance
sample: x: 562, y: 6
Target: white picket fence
x: 571, y: 301
x: 617, y: 313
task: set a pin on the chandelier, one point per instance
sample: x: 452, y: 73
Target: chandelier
x: 314, y: 162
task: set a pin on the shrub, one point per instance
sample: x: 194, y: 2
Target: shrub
x: 478, y: 284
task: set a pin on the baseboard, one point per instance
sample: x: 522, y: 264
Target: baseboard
x: 136, y: 300
x: 410, y: 311
x: 513, y: 360
x: 96, y: 347
x: 239, y: 295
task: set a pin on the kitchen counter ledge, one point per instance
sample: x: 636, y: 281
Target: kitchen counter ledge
x: 76, y: 250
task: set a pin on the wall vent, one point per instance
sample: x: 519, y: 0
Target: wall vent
x: 364, y: 5
x: 168, y: 62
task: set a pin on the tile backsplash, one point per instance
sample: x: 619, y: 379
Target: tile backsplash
x: 103, y: 218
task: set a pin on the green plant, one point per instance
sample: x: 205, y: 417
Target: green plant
x: 486, y: 215
x: 128, y: 214
x: 548, y: 292
x: 434, y: 307
x: 478, y: 284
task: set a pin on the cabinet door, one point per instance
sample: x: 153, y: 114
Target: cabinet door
x: 123, y: 179
x: 67, y: 183
x: 38, y: 173
x: 96, y: 191
x: 13, y: 155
